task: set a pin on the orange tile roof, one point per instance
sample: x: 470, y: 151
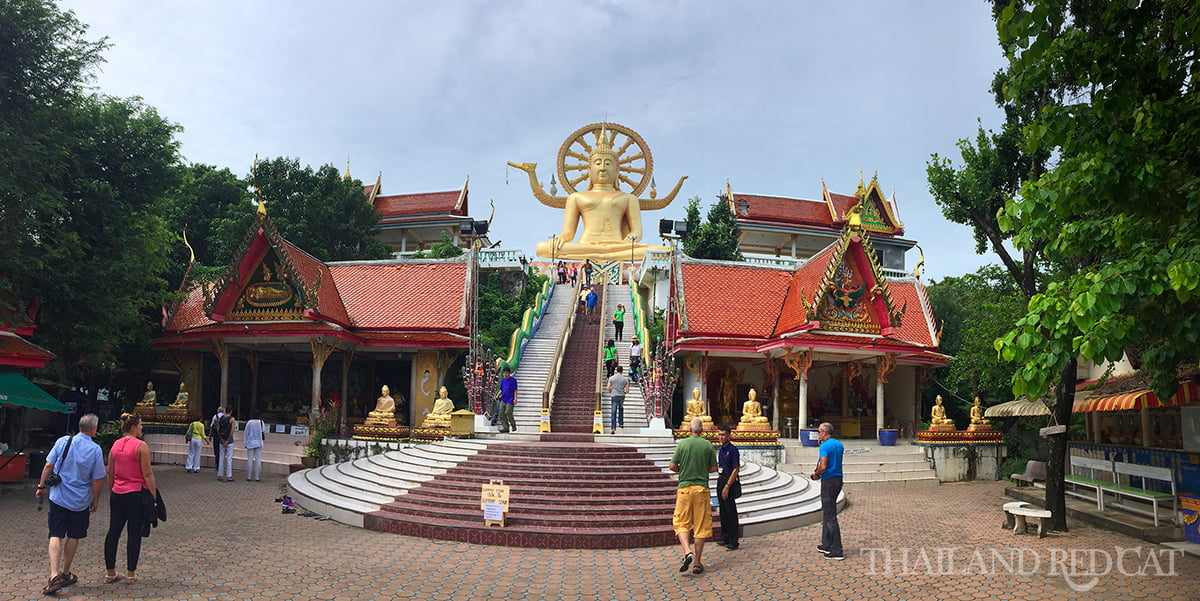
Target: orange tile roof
x: 733, y: 300
x: 916, y: 324
x: 314, y: 272
x: 19, y: 351
x: 781, y: 209
x: 190, y: 313
x: 803, y: 285
x: 413, y: 204
x: 402, y: 296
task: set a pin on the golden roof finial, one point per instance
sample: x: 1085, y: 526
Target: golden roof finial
x: 347, y: 176
x: 862, y: 188
x: 258, y: 195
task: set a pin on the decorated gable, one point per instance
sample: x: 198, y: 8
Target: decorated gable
x: 844, y: 302
x: 853, y: 295
x: 268, y: 296
x: 874, y: 212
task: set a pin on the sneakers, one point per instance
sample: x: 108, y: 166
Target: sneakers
x: 832, y: 556
x: 683, y: 567
x: 823, y: 550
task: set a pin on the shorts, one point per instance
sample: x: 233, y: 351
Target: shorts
x: 64, y: 522
x: 693, y: 511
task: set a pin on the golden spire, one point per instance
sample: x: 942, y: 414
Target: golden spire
x: 347, y: 176
x: 862, y: 188
x: 262, y: 205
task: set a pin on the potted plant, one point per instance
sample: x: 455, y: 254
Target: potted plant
x: 318, y: 428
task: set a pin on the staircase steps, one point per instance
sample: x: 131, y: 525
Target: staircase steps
x: 574, y: 401
x: 880, y: 466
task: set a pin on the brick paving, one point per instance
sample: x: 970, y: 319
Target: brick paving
x: 228, y: 540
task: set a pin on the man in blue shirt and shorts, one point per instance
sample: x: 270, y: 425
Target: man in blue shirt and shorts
x: 81, y: 470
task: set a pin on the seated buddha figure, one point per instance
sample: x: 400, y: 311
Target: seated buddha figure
x: 695, y: 408
x: 978, y: 422
x: 612, y: 219
x: 439, y: 417
x: 148, y: 399
x: 181, y: 399
x: 385, y: 410
x: 752, y: 417
x: 938, y: 419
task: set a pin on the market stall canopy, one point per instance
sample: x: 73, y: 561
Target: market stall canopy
x: 16, y: 389
x: 1138, y: 399
x: 1021, y: 407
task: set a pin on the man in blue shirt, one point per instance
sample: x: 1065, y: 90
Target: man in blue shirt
x: 81, y: 468
x: 508, y: 397
x: 729, y: 463
x: 829, y: 472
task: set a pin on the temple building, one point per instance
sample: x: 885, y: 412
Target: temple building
x: 412, y: 222
x: 258, y: 339
x: 17, y: 357
x: 821, y: 318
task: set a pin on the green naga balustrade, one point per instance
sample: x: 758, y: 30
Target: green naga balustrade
x: 525, y: 331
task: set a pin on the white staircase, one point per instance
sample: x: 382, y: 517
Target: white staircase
x: 635, y: 404
x: 879, y: 466
x: 539, y: 354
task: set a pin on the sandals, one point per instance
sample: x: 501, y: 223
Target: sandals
x: 130, y: 579
x: 687, y: 563
x: 54, y: 585
x: 699, y: 569
x: 112, y: 579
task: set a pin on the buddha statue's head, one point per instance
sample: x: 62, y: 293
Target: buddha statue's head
x: 938, y: 400
x: 386, y: 391
x: 977, y: 401
x: 753, y: 394
x: 182, y: 386
x: 696, y: 393
x: 149, y: 385
x: 603, y: 166
x: 443, y: 393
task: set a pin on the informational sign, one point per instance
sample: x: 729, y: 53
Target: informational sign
x: 300, y: 430
x: 494, y: 492
x: 493, y: 512
x: 281, y: 428
x: 72, y: 408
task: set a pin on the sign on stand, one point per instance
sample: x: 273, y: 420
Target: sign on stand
x: 494, y: 503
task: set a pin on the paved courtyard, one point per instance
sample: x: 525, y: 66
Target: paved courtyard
x: 228, y: 540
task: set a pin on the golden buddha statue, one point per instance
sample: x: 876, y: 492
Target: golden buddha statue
x: 752, y: 417
x: 385, y: 410
x: 439, y: 417
x: 695, y: 408
x: 978, y: 422
x: 181, y: 399
x: 937, y: 417
x: 612, y: 218
x: 150, y: 398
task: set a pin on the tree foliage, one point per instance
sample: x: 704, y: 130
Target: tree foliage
x: 1122, y: 200
x: 500, y: 310
x: 714, y: 238
x: 975, y: 310
x: 82, y: 177
x: 442, y: 249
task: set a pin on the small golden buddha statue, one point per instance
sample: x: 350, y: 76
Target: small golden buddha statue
x: 181, y: 399
x: 150, y: 398
x: 439, y: 417
x: 752, y: 417
x: 695, y: 408
x: 385, y: 410
x: 978, y: 422
x: 937, y: 417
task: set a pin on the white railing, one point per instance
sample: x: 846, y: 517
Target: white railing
x: 503, y: 257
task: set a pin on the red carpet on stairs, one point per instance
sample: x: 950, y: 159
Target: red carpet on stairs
x: 575, y: 396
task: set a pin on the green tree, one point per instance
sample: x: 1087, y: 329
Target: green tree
x: 714, y: 238
x: 316, y: 209
x: 442, y: 249
x: 975, y: 310
x: 82, y: 178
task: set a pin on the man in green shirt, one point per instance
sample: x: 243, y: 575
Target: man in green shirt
x: 694, y: 459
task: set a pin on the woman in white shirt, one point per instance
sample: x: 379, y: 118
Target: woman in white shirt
x: 252, y: 439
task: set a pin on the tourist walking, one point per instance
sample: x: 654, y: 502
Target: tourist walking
x: 694, y: 459
x: 591, y: 304
x: 729, y: 487
x: 212, y: 429
x: 574, y: 269
x: 583, y: 298
x: 195, y: 439
x: 829, y: 472
x: 226, y: 426
x: 617, y: 385
x: 508, y: 398
x: 610, y: 359
x: 130, y: 480
x: 619, y: 320
x: 635, y: 360
x: 78, y: 466
x: 252, y: 438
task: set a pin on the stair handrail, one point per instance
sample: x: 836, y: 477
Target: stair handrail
x: 530, y: 321
x: 643, y: 336
x: 601, y: 307
x: 564, y: 334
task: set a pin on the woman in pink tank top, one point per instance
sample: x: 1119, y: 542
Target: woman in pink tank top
x: 130, y: 479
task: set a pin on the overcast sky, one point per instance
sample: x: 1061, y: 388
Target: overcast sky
x: 773, y: 96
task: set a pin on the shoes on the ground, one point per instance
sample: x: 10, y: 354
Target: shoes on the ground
x: 832, y: 556
x: 68, y: 579
x: 55, y: 584
x: 733, y: 547
x: 289, y: 510
x: 699, y: 569
x: 112, y: 579
x: 823, y: 550
x: 687, y: 563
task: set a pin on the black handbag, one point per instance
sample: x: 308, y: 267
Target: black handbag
x: 54, y: 479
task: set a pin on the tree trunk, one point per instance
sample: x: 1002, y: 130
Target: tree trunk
x: 1056, y: 465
